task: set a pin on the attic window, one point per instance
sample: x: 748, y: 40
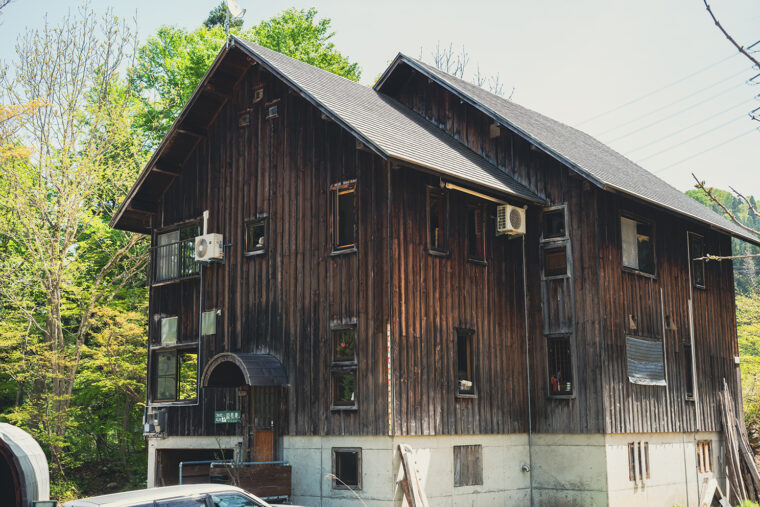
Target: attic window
x: 638, y: 245
x: 258, y: 94
x: 697, y: 250
x: 244, y: 119
x: 272, y: 109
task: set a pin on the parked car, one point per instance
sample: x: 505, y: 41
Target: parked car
x: 191, y: 495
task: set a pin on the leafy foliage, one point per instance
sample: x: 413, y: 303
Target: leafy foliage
x: 218, y: 16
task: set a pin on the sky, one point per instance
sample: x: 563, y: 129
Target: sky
x: 653, y: 79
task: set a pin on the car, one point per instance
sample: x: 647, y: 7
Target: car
x: 189, y: 495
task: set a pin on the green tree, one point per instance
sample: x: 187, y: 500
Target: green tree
x: 218, y: 16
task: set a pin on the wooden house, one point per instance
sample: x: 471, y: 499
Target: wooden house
x: 425, y: 263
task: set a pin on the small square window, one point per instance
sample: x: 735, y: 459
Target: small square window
x: 258, y: 94
x: 168, y: 330
x: 475, y: 236
x: 638, y: 245
x: 344, y: 388
x: 468, y: 465
x: 555, y: 261
x: 347, y: 468
x: 208, y: 323
x: 554, y: 224
x: 438, y: 220
x: 244, y: 119
x: 696, y: 251
x: 255, y: 236
x: 560, y: 365
x: 344, y: 345
x: 344, y: 217
x: 272, y: 109
x: 465, y: 362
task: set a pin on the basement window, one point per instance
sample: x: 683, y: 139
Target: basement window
x: 176, y: 376
x: 468, y: 465
x: 560, y: 365
x: 347, y: 468
x: 255, y: 236
x: 344, y: 368
x: 638, y: 461
x: 697, y: 250
x: 704, y: 456
x: 465, y: 361
x: 638, y: 245
x: 437, y: 221
x: 344, y: 217
x: 475, y: 234
x: 168, y: 330
x: 688, y: 371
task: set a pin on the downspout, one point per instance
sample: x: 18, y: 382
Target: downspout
x: 527, y: 368
x: 693, y: 362
x: 389, y: 264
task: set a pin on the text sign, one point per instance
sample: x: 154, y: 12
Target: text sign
x: 227, y: 416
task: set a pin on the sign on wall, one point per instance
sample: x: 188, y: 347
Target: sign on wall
x: 226, y: 416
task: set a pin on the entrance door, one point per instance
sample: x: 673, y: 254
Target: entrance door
x: 267, y: 422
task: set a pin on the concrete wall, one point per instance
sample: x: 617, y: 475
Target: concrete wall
x: 210, y: 443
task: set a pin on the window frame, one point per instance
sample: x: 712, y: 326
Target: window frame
x: 639, y: 220
x: 336, y: 191
x: 160, y: 341
x: 474, y: 207
x: 253, y: 222
x: 554, y: 209
x: 176, y: 351
x: 638, y: 461
x: 688, y: 369
x: 693, y: 263
x: 334, y: 480
x: 156, y: 252
x: 704, y: 456
x: 475, y: 478
x: 547, y: 373
x: 469, y: 333
x: 342, y: 367
x: 445, y: 250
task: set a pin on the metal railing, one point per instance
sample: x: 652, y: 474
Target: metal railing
x: 174, y: 260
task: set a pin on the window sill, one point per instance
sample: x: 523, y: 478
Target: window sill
x: 255, y: 253
x: 556, y: 239
x: 561, y: 396
x: 174, y: 346
x: 175, y: 280
x: 341, y: 487
x: 343, y: 251
x: 692, y: 400
x: 639, y: 273
x: 477, y: 262
x: 438, y: 253
x: 700, y: 287
x: 184, y: 403
x: 555, y: 277
x: 339, y: 408
x: 464, y: 396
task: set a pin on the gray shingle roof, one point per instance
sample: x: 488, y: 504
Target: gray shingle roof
x: 385, y: 125
x: 581, y: 152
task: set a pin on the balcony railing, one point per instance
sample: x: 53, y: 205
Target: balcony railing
x: 174, y: 261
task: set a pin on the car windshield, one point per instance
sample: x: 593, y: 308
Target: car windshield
x: 233, y: 500
x: 182, y: 502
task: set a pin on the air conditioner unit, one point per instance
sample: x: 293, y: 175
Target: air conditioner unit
x: 510, y: 220
x: 209, y: 247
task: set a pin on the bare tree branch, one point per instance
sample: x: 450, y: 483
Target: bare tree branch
x: 728, y: 36
x: 709, y: 193
x: 751, y: 208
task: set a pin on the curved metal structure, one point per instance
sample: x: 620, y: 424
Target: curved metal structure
x: 24, y: 476
x: 229, y: 369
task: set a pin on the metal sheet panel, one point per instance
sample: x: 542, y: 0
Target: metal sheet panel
x: 645, y: 363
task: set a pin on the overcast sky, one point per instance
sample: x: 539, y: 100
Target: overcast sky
x: 684, y: 85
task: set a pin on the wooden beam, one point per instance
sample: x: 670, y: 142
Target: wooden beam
x: 168, y: 169
x: 140, y: 205
x: 192, y: 131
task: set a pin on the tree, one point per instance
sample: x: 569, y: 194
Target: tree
x: 218, y: 16
x: 445, y: 59
x: 61, y: 261
x: 171, y: 64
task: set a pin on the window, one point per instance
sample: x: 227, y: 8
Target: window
x: 468, y: 465
x: 168, y: 330
x: 638, y: 245
x: 645, y: 361
x: 174, y: 255
x: 560, y: 365
x: 438, y: 220
x: 347, y: 468
x: 232, y: 500
x: 176, y: 376
x: 554, y: 224
x: 638, y: 461
x: 208, y: 323
x: 344, y: 367
x: 555, y: 261
x: 181, y: 502
x: 704, y: 456
x: 465, y: 363
x: 344, y: 234
x: 255, y: 236
x: 272, y: 109
x: 688, y: 371
x: 697, y: 250
x: 475, y: 234
x: 258, y: 94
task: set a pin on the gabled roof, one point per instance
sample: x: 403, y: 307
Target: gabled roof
x: 583, y: 154
x: 379, y: 122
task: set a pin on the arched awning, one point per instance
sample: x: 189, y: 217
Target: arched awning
x: 27, y: 465
x: 230, y: 369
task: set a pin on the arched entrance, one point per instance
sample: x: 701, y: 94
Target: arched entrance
x: 261, y: 381
x: 23, y: 468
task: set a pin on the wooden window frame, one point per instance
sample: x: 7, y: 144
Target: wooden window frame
x: 335, y: 192
x: 638, y: 461
x: 704, y: 456
x: 258, y: 94
x: 176, y: 351
x: 554, y: 209
x: 473, y: 207
x: 555, y: 245
x: 445, y: 250
x: 475, y: 478
x: 547, y: 375
x: 642, y: 220
x: 693, y: 263
x: 688, y: 365
x: 160, y: 341
x: 253, y: 222
x: 341, y: 367
x: 267, y: 109
x: 216, y: 312
x: 469, y: 333
x: 155, y: 252
x: 336, y: 484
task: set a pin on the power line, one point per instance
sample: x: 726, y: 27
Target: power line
x: 633, y: 101
x: 690, y: 139
x: 705, y: 151
x: 700, y: 122
x: 685, y: 97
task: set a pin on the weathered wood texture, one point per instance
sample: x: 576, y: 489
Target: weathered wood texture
x: 284, y: 301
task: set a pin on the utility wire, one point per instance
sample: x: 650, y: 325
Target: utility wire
x: 705, y: 151
x: 642, y: 97
x: 700, y: 122
x: 685, y: 97
x: 690, y: 139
